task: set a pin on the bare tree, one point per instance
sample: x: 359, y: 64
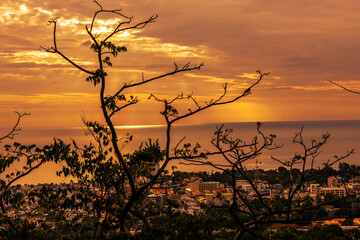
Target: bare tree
x: 237, y: 153
x: 258, y: 210
x: 112, y: 105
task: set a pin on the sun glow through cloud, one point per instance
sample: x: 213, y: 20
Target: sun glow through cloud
x: 139, y: 126
x: 293, y: 41
x: 39, y: 57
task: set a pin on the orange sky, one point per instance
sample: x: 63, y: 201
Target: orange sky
x: 302, y: 43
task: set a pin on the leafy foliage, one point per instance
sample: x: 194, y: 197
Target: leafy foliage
x: 96, y: 77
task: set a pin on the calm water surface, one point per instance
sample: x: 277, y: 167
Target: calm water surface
x: 345, y: 135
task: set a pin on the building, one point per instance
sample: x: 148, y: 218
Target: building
x: 244, y: 185
x: 218, y: 199
x: 249, y: 189
x: 162, y: 190
x: 356, y: 221
x: 197, y: 185
x: 314, y: 188
x: 210, y: 186
x: 333, y: 181
x: 194, y: 184
x: 338, y: 191
x: 334, y: 221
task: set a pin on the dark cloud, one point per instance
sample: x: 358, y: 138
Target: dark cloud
x: 31, y: 65
x: 15, y: 40
x: 280, y: 88
x: 86, y: 43
x: 301, y: 62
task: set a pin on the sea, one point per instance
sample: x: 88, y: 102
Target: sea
x: 344, y: 136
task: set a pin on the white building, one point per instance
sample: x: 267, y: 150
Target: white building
x: 338, y: 191
x: 249, y: 189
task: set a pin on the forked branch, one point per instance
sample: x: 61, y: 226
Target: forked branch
x: 54, y: 49
x: 14, y: 131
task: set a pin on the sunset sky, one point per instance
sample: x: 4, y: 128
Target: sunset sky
x: 302, y: 43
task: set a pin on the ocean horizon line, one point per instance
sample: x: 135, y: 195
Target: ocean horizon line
x: 142, y: 126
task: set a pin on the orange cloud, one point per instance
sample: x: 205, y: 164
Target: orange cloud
x: 301, y: 43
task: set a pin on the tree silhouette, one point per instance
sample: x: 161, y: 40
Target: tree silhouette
x: 5, y: 163
x: 126, y: 169
x: 249, y: 208
x: 12, y: 198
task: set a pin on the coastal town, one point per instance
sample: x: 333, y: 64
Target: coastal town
x: 195, y: 196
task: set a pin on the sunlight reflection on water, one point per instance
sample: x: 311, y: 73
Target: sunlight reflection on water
x: 344, y: 137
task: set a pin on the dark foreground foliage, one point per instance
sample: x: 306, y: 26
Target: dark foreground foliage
x: 180, y: 226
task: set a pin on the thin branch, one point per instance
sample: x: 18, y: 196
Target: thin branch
x: 15, y: 129
x: 140, y: 25
x: 24, y: 174
x: 176, y: 70
x: 219, y: 102
x: 122, y: 107
x: 346, y: 89
x: 54, y: 49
